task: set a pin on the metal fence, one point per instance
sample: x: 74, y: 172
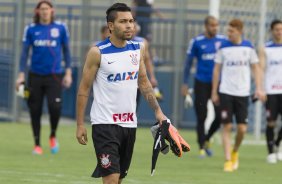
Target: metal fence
x: 84, y: 26
x: 170, y: 36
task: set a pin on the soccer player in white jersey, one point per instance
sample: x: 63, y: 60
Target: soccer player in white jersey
x: 234, y: 61
x: 271, y: 61
x: 115, y: 67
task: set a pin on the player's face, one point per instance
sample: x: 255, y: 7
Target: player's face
x: 123, y: 26
x: 212, y: 27
x: 277, y: 32
x: 233, y: 34
x: 45, y: 12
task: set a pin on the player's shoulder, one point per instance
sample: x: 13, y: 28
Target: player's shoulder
x: 134, y: 45
x: 225, y: 43
x: 103, y: 44
x: 221, y: 37
x: 195, y: 40
x: 269, y: 43
x: 60, y: 24
x: 199, y: 37
x: 30, y: 26
x: 138, y: 39
x: 247, y: 43
x: 244, y: 43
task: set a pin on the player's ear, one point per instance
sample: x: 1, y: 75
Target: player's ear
x: 111, y: 26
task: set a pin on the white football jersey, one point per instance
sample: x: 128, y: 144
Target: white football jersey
x: 236, y: 72
x: 115, y: 86
x: 273, y: 72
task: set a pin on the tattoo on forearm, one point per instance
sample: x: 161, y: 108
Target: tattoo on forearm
x: 147, y: 91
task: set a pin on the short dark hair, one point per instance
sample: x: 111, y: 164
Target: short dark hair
x: 117, y: 7
x: 208, y: 19
x: 274, y: 23
x: 36, y: 17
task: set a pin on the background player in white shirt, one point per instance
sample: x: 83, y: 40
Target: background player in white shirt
x: 234, y: 60
x: 271, y: 61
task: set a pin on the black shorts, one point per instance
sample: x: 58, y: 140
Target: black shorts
x: 114, y: 148
x: 234, y: 105
x: 273, y: 107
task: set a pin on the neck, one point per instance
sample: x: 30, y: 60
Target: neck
x: 237, y: 41
x: 209, y: 35
x: 45, y: 22
x: 278, y: 41
x: 117, y: 42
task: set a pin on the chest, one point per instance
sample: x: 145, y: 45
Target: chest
x: 208, y: 46
x: 45, y: 36
x: 236, y: 56
x: 274, y: 57
x: 122, y: 62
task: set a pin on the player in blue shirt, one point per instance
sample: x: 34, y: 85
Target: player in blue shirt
x: 47, y: 38
x: 203, y: 48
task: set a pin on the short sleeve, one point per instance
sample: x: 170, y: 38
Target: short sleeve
x: 218, y: 57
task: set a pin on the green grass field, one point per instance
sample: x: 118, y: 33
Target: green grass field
x: 74, y: 163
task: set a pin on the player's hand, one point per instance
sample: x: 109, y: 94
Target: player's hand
x: 158, y: 94
x: 188, y: 101
x: 184, y: 90
x: 20, y: 80
x: 260, y: 94
x: 81, y: 135
x: 67, y: 80
x: 215, y: 98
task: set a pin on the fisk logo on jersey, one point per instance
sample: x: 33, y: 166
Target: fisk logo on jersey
x: 123, y: 76
x: 124, y: 117
x: 44, y: 43
x: 276, y: 87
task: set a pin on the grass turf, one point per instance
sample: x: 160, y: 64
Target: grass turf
x: 74, y: 163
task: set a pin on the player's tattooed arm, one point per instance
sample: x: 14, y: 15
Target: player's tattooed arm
x: 145, y: 85
x: 147, y: 90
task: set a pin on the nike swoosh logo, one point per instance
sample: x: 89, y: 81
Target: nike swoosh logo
x: 111, y: 62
